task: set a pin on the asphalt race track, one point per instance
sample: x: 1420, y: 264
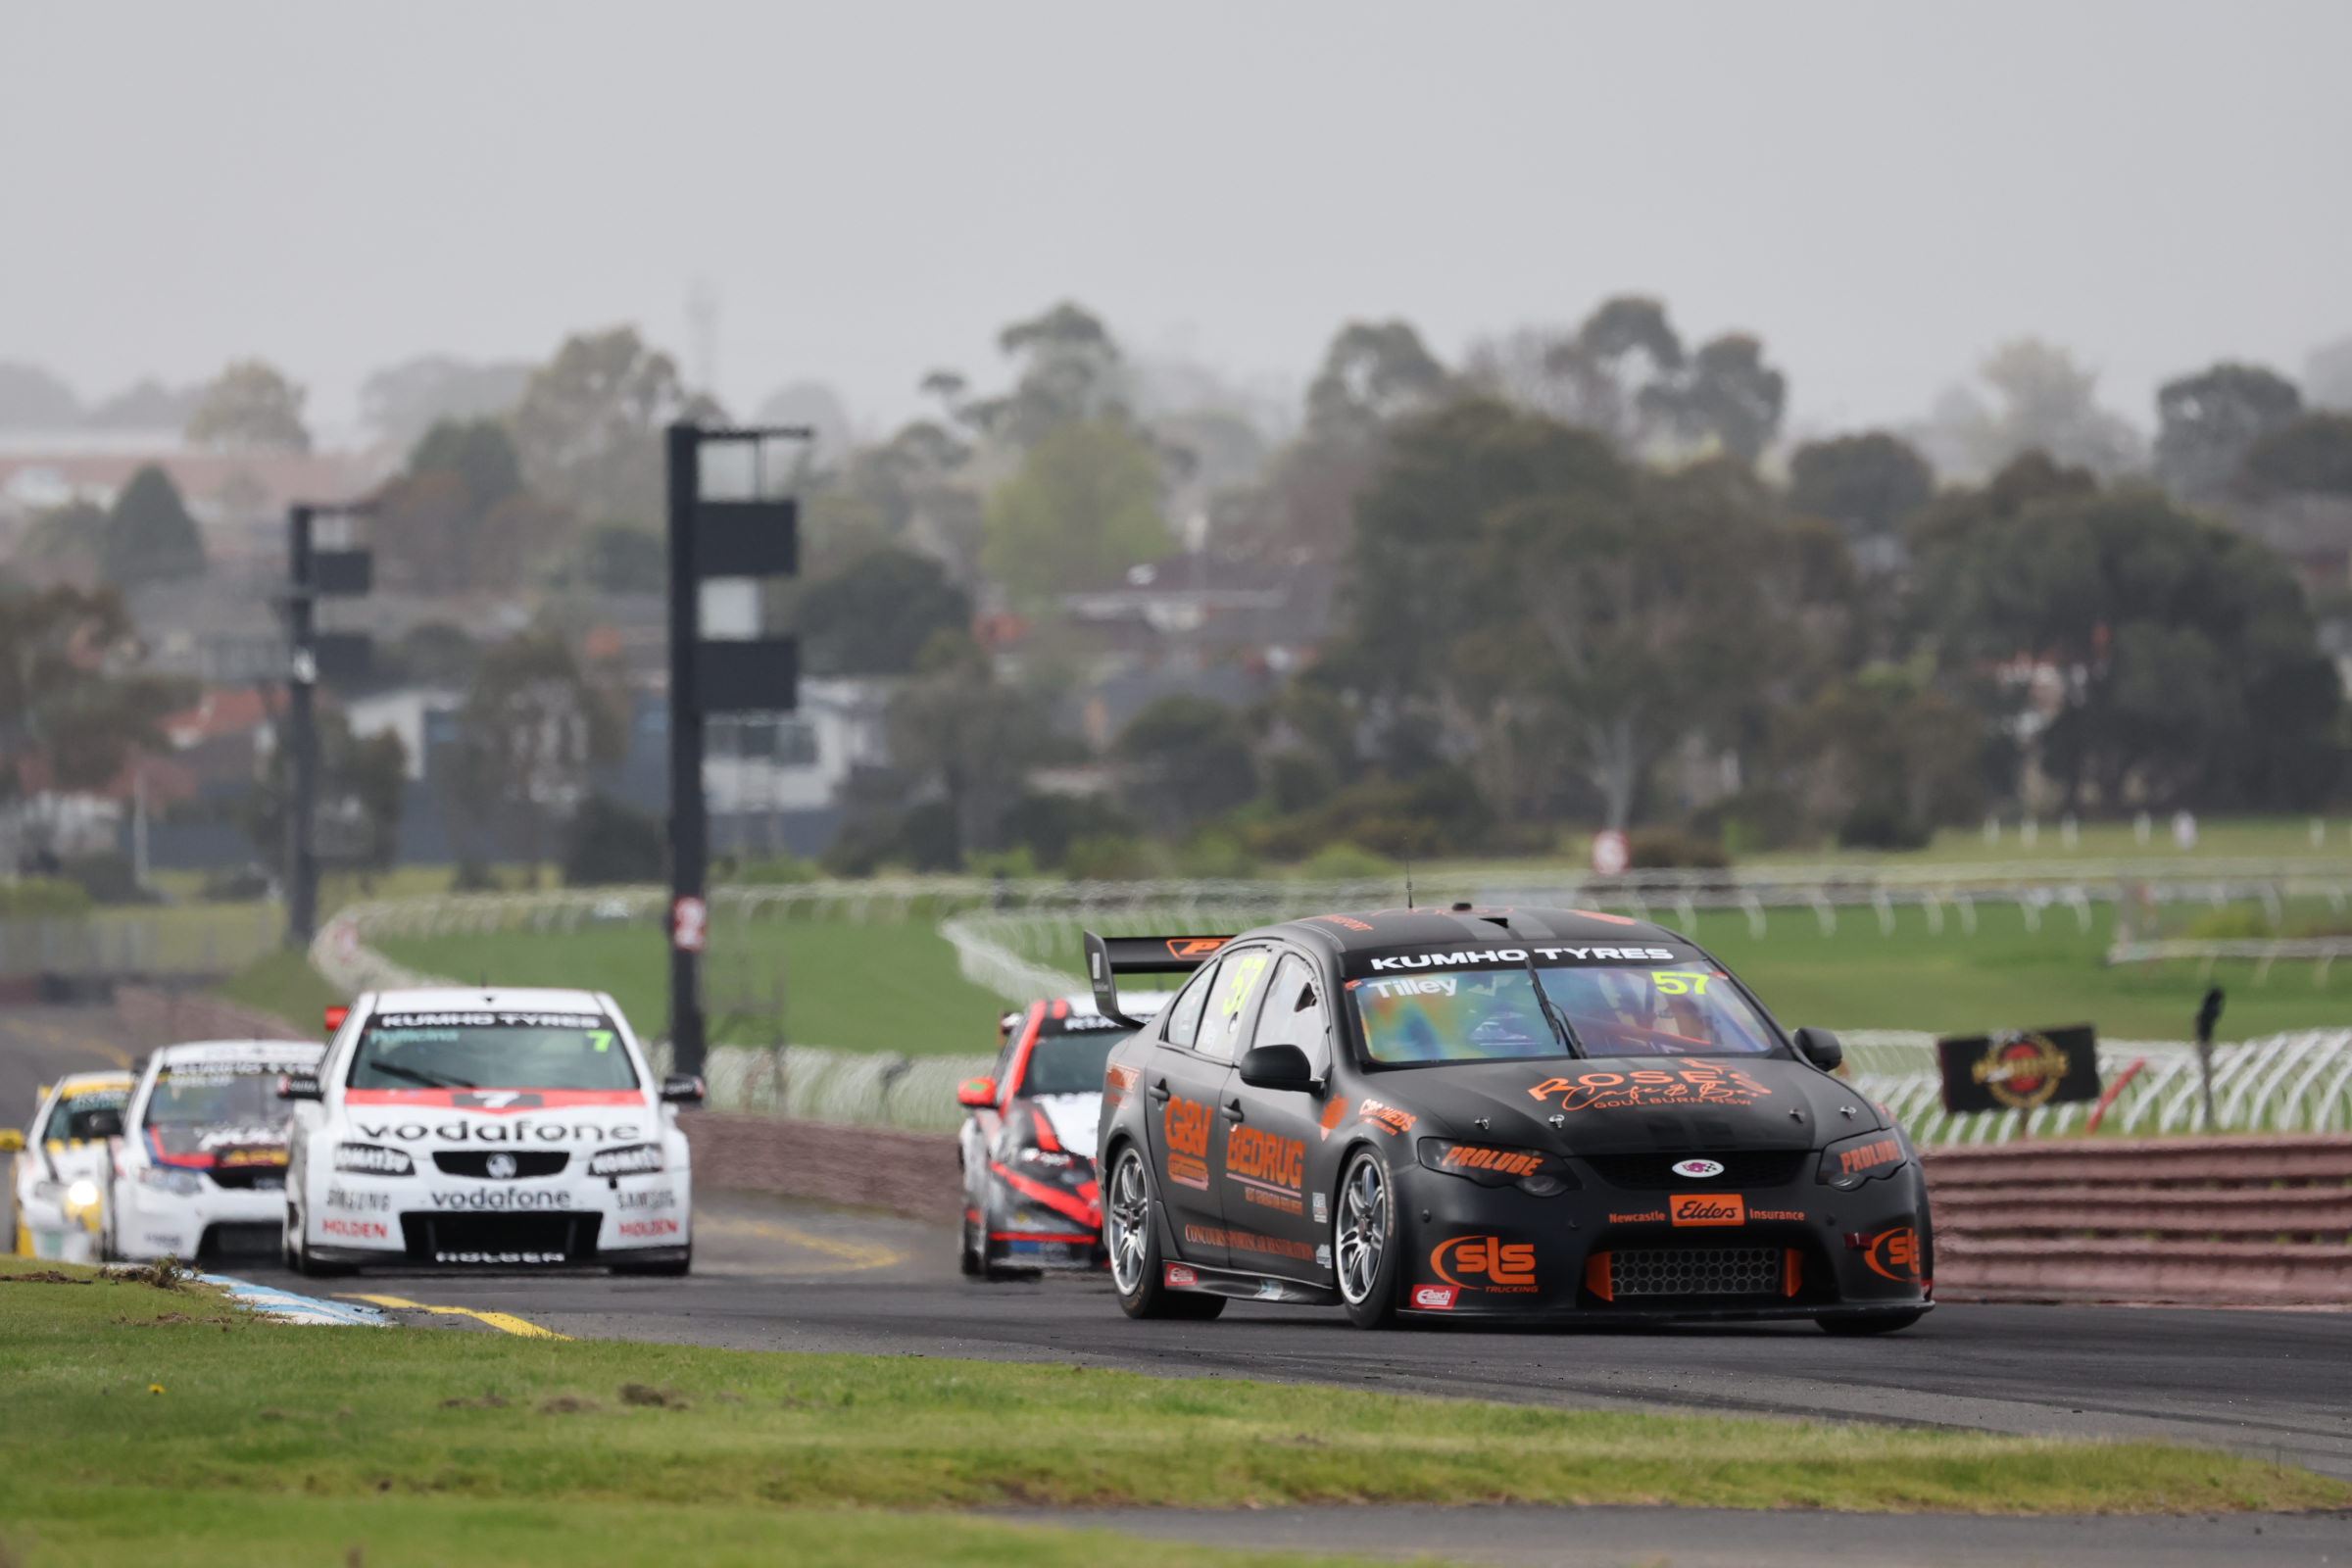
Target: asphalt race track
x: 781, y: 1276
x: 778, y: 1276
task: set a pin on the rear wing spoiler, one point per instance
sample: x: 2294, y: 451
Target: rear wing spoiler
x: 1108, y: 957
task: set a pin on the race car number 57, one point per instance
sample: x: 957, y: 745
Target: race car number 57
x: 689, y: 923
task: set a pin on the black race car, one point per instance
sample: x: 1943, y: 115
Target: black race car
x: 1500, y: 1113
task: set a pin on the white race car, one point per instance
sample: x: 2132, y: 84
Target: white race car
x: 60, y: 1175
x: 493, y: 1128
x: 201, y: 1167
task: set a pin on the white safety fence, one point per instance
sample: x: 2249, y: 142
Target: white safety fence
x: 2295, y: 1082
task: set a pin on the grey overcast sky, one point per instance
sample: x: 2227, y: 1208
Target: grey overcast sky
x: 1883, y: 190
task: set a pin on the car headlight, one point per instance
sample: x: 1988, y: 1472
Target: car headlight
x: 635, y: 1159
x: 171, y: 1179
x: 1531, y: 1170
x: 82, y: 1194
x: 1850, y: 1162
x: 374, y: 1159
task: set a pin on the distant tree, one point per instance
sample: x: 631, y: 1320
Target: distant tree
x: 876, y: 614
x: 70, y: 692
x: 1626, y: 373
x: 816, y: 405
x: 436, y: 652
x: 1373, y: 374
x: 1866, y: 484
x: 1069, y: 374
x: 958, y: 730
x: 363, y: 780
x: 148, y: 535
x: 2192, y: 671
x: 1892, y: 757
x: 252, y: 407
x: 2311, y: 456
x: 609, y: 842
x: 459, y: 519
x: 402, y: 402
x: 1730, y: 399
x: 1561, y: 608
x: 31, y: 399
x: 1188, y: 758
x: 2206, y: 421
x: 2327, y: 377
x: 531, y: 728
x: 622, y: 558
x: 2041, y: 400
x: 65, y: 544
x: 148, y: 406
x: 589, y: 424
x: 479, y: 452
x: 1083, y: 507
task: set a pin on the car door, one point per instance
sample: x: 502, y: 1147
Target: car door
x: 1187, y: 1079
x: 1277, y: 1212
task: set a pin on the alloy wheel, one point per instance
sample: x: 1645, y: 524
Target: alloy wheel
x: 1363, y: 1228
x: 1128, y: 1218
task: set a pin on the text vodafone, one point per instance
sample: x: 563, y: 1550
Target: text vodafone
x: 519, y: 1129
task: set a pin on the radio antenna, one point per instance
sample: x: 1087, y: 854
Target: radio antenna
x: 1408, y: 881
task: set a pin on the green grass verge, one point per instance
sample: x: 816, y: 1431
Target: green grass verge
x: 598, y: 1451
x: 881, y: 986
x: 2002, y: 977
x: 284, y: 984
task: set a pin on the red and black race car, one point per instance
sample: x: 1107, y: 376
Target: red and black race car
x: 1030, y: 1198
x: 1502, y: 1114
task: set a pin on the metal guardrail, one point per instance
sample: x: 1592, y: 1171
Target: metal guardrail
x: 105, y: 946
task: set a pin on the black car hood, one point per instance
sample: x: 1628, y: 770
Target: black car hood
x: 1633, y: 1104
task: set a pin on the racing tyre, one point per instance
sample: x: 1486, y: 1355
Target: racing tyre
x: 1364, y: 1251
x: 1136, y: 1271
x: 299, y: 1260
x: 968, y: 1257
x: 1853, y: 1323
x: 667, y: 1268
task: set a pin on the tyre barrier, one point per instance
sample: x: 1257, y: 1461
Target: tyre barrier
x: 2186, y: 1221
x: 910, y: 1174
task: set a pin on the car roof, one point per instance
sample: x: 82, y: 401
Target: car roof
x: 494, y: 998
x: 202, y: 1051
x: 81, y: 1083
x: 1380, y: 929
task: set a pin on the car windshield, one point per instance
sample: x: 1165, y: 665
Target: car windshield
x: 217, y: 1094
x: 70, y: 1118
x: 1664, y: 1009
x: 1070, y: 1063
x: 491, y: 1051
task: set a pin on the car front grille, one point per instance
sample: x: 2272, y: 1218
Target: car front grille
x: 1654, y: 1172
x: 476, y: 1161
x: 1697, y: 1271
x: 517, y: 1240
x: 241, y: 1240
x: 249, y: 1178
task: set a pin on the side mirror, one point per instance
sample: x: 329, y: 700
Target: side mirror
x: 299, y: 1086
x: 976, y: 1094
x: 102, y: 1124
x: 1278, y: 1067
x: 11, y: 1140
x: 684, y: 1089
x: 1820, y: 1047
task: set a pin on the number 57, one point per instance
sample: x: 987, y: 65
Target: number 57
x: 1681, y: 985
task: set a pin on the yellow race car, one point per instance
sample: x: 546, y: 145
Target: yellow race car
x: 61, y: 1169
